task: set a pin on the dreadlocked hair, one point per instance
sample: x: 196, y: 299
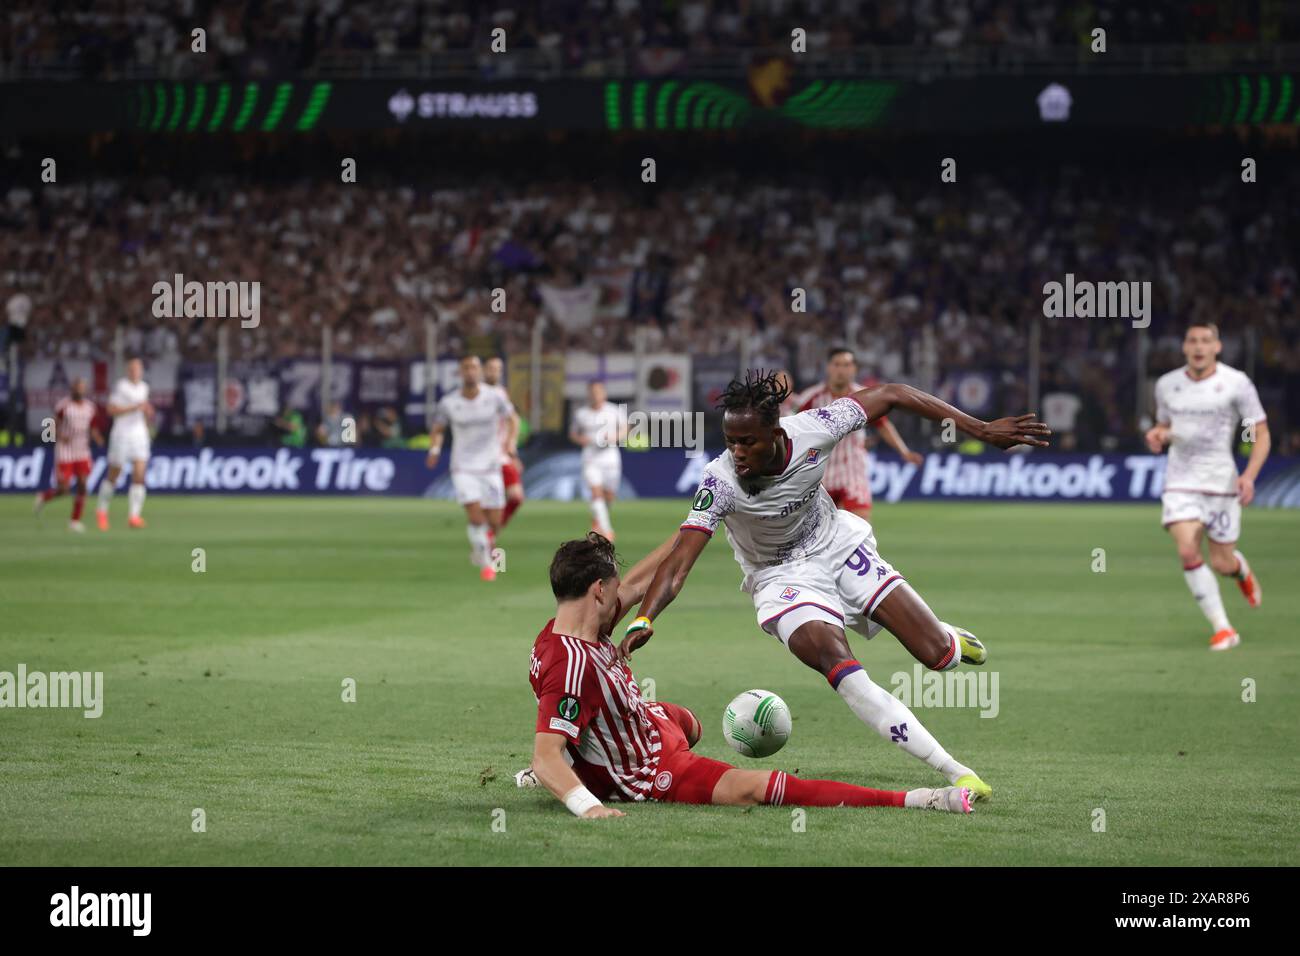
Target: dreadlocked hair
x: 761, y: 391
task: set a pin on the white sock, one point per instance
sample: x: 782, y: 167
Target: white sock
x: 1243, y: 569
x: 478, y: 544
x: 135, y: 499
x: 888, y: 716
x: 600, y: 511
x: 955, y: 658
x: 105, y: 494
x: 1201, y: 582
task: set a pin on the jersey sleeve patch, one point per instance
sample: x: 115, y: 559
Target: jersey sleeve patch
x: 713, y: 501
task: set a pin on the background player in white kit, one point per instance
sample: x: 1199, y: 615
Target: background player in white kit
x: 811, y: 569
x: 128, y: 443
x: 600, y: 427
x: 475, y: 412
x: 1198, y: 410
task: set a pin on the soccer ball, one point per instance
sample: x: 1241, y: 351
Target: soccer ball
x: 756, y: 724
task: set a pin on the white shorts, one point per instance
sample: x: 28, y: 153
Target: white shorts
x: 125, y: 447
x: 842, y: 586
x: 485, y: 488
x: 1221, y: 514
x: 604, y: 471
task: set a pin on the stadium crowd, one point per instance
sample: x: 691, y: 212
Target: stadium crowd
x: 918, y: 277
x: 102, y: 39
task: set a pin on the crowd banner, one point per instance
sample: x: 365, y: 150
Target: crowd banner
x: 649, y: 473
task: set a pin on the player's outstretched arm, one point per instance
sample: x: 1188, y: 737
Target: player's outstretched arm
x: 1001, y: 432
x: 668, y: 581
x: 555, y: 774
x: 637, y: 580
x: 895, y: 441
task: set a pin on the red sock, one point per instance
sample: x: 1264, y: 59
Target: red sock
x: 49, y: 493
x: 785, y: 788
x: 77, y: 505
x: 511, y: 507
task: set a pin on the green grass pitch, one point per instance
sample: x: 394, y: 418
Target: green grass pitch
x: 223, y: 691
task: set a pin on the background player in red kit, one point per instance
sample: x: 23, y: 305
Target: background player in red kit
x: 597, y: 738
x: 848, y: 475
x: 74, y: 419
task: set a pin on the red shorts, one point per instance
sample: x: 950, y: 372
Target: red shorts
x: 68, y: 469
x: 509, y: 474
x: 849, y: 501
x: 683, y: 777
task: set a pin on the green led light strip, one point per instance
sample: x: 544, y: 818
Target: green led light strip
x: 319, y: 96
x: 219, y: 111
x: 273, y: 116
x: 196, y: 114
x: 246, y: 107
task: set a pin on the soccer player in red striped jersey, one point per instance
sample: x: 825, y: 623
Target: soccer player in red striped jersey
x: 848, y: 472
x: 74, y: 424
x: 598, y: 739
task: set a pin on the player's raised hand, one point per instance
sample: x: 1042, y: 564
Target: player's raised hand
x: 1016, y: 430
x: 595, y: 813
x: 1245, y: 490
x: 638, y: 632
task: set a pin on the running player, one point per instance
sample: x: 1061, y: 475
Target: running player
x: 74, y: 419
x: 128, y: 444
x: 600, y: 428
x: 476, y: 414
x: 1198, y: 409
x: 848, y: 473
x: 812, y: 570
x: 512, y: 468
x: 596, y: 738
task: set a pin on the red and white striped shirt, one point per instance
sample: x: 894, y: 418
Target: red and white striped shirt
x: 587, y: 695
x: 72, y: 421
x: 847, y: 468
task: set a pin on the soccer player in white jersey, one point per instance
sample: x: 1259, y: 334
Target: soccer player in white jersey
x: 512, y: 469
x: 599, y: 427
x: 813, y: 570
x: 128, y: 444
x: 1198, y: 410
x: 74, y: 424
x: 475, y: 413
